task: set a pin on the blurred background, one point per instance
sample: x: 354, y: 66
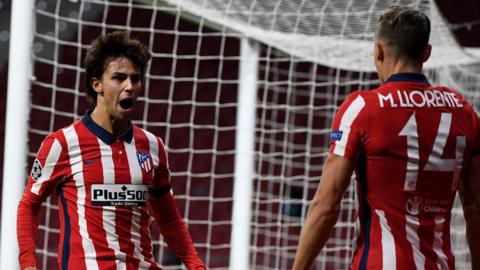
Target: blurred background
x: 462, y: 19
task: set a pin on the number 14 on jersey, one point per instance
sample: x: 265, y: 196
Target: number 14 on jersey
x: 435, y: 161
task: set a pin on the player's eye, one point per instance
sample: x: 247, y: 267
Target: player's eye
x: 119, y: 77
x: 135, y: 78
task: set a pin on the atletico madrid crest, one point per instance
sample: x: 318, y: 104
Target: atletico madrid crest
x: 145, y: 161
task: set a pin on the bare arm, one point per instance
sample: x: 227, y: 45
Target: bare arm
x: 470, y: 196
x: 323, y: 212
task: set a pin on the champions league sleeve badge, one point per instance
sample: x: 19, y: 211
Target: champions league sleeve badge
x: 336, y: 135
x: 145, y: 161
x: 36, y: 170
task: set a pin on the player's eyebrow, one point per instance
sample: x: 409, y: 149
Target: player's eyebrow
x: 118, y: 73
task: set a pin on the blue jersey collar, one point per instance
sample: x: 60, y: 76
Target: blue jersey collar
x: 407, y: 77
x: 103, y: 134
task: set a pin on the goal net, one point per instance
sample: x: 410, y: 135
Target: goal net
x: 311, y: 55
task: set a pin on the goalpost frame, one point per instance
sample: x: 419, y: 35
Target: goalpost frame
x: 244, y: 155
x: 16, y: 127
x: 244, y: 146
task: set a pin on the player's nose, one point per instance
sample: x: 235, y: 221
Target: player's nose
x: 128, y: 84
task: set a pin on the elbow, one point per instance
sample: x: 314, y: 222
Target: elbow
x: 164, y: 210
x: 26, y: 207
x: 326, y: 213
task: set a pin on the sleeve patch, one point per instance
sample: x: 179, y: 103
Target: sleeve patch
x: 36, y: 170
x: 336, y: 135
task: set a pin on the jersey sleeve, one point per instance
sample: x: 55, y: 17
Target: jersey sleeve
x: 47, y: 171
x: 174, y: 231
x: 165, y: 212
x: 349, y: 125
x: 161, y: 177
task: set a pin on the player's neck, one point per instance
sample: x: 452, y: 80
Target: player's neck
x: 115, y: 126
x: 401, y: 66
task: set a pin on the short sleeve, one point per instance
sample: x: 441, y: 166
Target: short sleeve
x: 349, y: 125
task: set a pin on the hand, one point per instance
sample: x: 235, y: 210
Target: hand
x: 31, y: 268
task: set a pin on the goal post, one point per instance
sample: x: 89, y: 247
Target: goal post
x: 16, y: 127
x: 244, y: 155
x: 243, y: 94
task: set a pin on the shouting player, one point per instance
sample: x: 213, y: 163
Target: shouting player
x: 412, y: 145
x: 110, y: 175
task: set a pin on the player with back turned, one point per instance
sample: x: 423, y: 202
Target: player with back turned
x: 111, y: 176
x: 412, y: 145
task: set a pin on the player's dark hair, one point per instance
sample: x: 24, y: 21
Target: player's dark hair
x: 105, y: 49
x: 406, y: 30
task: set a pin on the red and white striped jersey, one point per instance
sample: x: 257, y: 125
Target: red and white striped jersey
x: 104, y: 201
x: 410, y: 142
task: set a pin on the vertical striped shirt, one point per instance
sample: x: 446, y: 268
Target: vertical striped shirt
x: 410, y: 142
x: 103, y: 185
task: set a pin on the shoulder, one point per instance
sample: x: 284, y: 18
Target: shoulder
x: 358, y: 100
x: 447, y: 89
x: 457, y: 94
x: 457, y: 98
x: 361, y: 96
x: 60, y: 134
x: 353, y: 110
x: 143, y: 134
x: 154, y: 142
x: 354, y: 95
x: 55, y: 142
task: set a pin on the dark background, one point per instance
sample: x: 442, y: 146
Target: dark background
x: 464, y: 16
x: 464, y: 20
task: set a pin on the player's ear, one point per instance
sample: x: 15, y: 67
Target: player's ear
x: 96, y: 85
x: 379, y: 52
x: 426, y: 53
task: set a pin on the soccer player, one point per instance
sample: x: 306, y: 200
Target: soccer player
x: 110, y: 175
x: 411, y: 145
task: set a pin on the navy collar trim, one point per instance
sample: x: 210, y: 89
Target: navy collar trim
x: 103, y: 134
x: 407, y: 77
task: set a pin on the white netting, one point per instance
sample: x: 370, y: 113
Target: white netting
x: 314, y: 53
x: 332, y: 33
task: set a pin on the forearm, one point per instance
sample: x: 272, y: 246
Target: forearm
x: 324, y: 209
x: 26, y: 231
x: 469, y: 192
x: 315, y: 234
x: 472, y: 218
x: 175, y: 232
x: 473, y: 236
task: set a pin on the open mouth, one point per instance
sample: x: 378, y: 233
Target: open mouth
x: 126, y: 103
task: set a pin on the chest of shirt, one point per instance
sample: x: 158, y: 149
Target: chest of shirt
x: 116, y: 163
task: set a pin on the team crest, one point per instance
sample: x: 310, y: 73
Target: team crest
x: 36, y: 170
x: 145, y: 161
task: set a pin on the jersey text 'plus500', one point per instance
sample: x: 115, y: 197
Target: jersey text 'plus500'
x: 103, y: 185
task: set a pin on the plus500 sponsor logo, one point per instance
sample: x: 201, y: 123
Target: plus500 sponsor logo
x: 119, y: 195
